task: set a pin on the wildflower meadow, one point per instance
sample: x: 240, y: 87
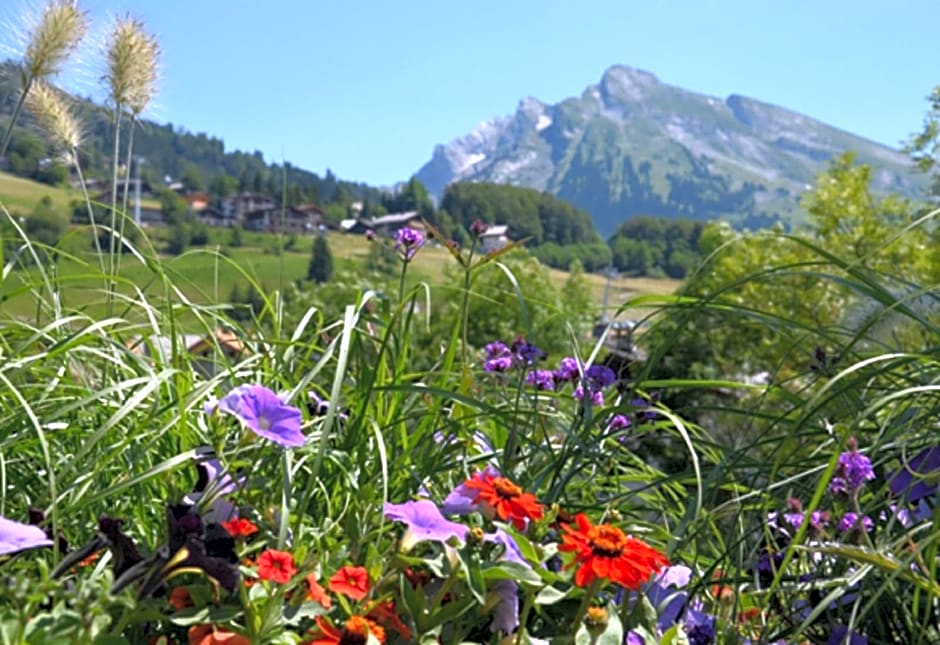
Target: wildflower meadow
x: 358, y: 480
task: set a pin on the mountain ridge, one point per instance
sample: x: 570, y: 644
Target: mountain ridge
x: 631, y: 144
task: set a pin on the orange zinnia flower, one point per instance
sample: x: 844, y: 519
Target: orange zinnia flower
x: 209, y: 635
x: 276, y: 565
x: 506, y: 499
x: 355, y: 631
x: 605, y: 552
x: 352, y: 582
x: 317, y: 593
x: 240, y: 527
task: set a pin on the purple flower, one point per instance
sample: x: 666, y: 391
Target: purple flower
x: 505, y: 599
x: 527, y: 353
x: 568, y: 369
x: 668, y: 603
x: 511, y: 552
x: 408, y: 241
x: 699, y: 626
x: 498, y: 357
x: 265, y: 414
x: 213, y: 483
x: 600, y: 376
x: 541, y: 379
x: 908, y: 482
x: 461, y: 500
x: 15, y: 537
x: 634, y: 639
x: 851, y: 521
x: 597, y: 397
x: 852, y: 471
x: 619, y: 422
x: 478, y: 227
x: 320, y: 407
x: 424, y: 522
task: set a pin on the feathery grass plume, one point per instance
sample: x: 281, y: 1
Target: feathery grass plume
x: 55, y: 36
x: 54, y: 116
x: 52, y: 112
x: 131, y: 79
x: 132, y: 65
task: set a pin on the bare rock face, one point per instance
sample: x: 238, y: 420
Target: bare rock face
x: 633, y: 145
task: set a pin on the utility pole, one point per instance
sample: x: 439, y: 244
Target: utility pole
x: 138, y: 161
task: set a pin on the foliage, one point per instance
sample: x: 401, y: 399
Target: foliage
x: 529, y: 213
x: 645, y: 245
x: 320, y: 269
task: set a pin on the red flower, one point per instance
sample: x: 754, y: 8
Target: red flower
x: 276, y: 565
x: 209, y: 635
x: 505, y: 498
x: 180, y: 599
x: 352, y: 582
x: 317, y: 593
x: 240, y: 527
x: 605, y: 552
x: 384, y: 613
x: 355, y: 631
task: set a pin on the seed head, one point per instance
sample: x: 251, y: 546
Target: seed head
x: 54, y: 115
x: 132, y: 56
x: 55, y: 35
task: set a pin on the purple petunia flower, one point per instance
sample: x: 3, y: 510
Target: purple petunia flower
x: 265, y: 414
x: 568, y: 369
x: 408, y: 241
x: 461, y: 500
x: 669, y: 603
x: 699, y: 626
x: 852, y: 521
x: 541, y: 379
x: 214, y: 483
x: 852, y: 471
x: 909, y: 481
x: 506, y: 606
x: 424, y: 522
x: 15, y: 536
x: 511, y: 552
x: 634, y: 639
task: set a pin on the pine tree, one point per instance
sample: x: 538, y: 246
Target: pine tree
x: 320, y: 268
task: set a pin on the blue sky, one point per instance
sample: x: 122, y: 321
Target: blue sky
x: 368, y: 88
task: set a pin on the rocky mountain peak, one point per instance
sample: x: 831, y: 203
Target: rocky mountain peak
x: 621, y: 84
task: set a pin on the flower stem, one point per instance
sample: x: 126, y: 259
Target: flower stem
x: 589, y: 594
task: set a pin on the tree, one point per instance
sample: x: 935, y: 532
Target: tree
x: 320, y: 269
x: 192, y: 178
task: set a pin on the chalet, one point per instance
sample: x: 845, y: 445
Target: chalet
x: 214, y: 217
x: 304, y: 218
x: 262, y: 219
x: 243, y: 203
x: 197, y: 201
x: 205, y: 350
x: 355, y: 226
x: 494, y: 238
x: 388, y: 225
